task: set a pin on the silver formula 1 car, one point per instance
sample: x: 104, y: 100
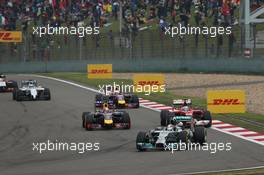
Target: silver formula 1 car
x: 30, y: 90
x: 167, y: 138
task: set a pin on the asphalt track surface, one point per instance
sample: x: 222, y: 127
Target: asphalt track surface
x: 23, y: 123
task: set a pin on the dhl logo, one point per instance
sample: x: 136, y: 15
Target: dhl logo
x: 226, y: 102
x: 99, y: 71
x: 143, y: 83
x: 8, y: 36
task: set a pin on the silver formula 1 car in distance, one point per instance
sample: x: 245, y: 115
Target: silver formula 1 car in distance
x: 30, y: 90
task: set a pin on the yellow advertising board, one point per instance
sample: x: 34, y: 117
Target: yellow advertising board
x: 149, y: 82
x: 10, y: 36
x: 226, y: 101
x: 99, y: 71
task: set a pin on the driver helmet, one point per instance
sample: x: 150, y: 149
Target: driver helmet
x: 105, y: 107
x: 180, y: 124
x: 2, y: 76
x: 170, y: 127
x: 185, y: 108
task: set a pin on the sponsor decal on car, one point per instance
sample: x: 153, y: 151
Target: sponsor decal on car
x: 10, y: 36
x: 226, y: 101
x: 99, y: 71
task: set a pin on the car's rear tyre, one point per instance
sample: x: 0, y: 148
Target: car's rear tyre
x: 200, y: 134
x: 183, y: 137
x: 88, y: 121
x: 14, y: 94
x: 83, y: 118
x: 141, y: 138
x: 47, y: 94
x: 15, y: 86
x: 165, y: 118
x: 135, y: 99
x: 126, y: 119
x: 19, y: 95
x: 207, y: 116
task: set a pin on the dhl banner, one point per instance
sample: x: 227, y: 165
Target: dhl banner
x: 149, y: 82
x: 99, y: 71
x: 10, y: 36
x: 226, y: 101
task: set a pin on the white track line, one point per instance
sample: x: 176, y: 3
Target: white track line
x: 156, y: 106
x: 164, y: 107
x: 234, y: 129
x: 219, y: 171
x: 149, y: 103
x: 154, y: 109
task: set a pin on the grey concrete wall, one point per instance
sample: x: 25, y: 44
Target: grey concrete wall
x: 234, y: 65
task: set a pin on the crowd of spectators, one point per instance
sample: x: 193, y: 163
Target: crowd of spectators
x: 135, y: 13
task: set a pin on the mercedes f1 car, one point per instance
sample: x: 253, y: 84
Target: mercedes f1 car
x: 30, y: 90
x: 182, y: 107
x: 106, y: 118
x: 167, y: 138
x: 7, y: 85
x: 117, y: 101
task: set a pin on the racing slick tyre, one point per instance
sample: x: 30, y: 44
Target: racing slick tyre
x: 200, y: 134
x: 14, y: 94
x: 126, y: 119
x: 183, y: 138
x: 141, y: 138
x: 135, y: 99
x: 207, y: 116
x: 83, y: 118
x: 165, y: 117
x: 88, y: 121
x: 14, y: 85
x: 19, y: 95
x: 47, y: 94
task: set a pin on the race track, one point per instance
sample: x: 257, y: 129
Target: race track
x: 23, y: 123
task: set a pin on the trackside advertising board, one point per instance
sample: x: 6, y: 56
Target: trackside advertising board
x: 99, y: 71
x: 149, y: 83
x: 226, y: 101
x: 10, y: 36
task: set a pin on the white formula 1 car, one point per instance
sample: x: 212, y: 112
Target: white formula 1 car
x: 30, y: 90
x: 7, y: 85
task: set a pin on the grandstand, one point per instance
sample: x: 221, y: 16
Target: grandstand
x: 136, y: 35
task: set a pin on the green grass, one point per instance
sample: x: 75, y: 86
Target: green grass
x: 251, y: 121
x: 257, y: 171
